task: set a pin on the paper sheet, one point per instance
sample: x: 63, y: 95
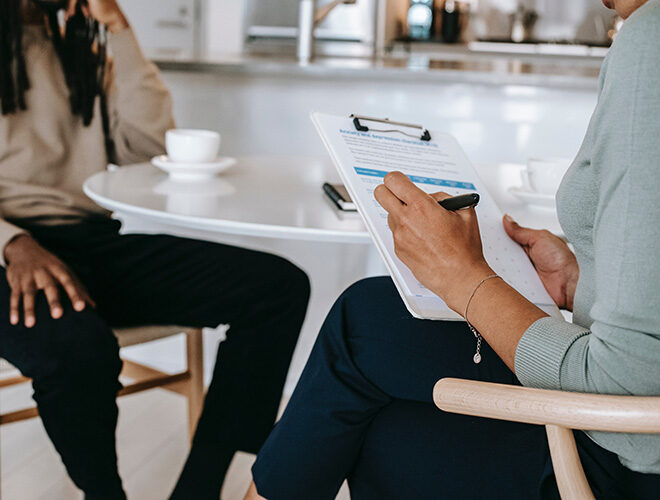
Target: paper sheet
x: 364, y: 158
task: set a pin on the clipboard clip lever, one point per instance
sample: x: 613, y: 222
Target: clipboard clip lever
x: 424, y: 136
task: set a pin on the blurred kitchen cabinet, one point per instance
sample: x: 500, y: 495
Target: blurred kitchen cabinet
x: 169, y: 25
x: 278, y: 19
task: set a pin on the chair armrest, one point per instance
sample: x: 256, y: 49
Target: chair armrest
x: 630, y: 414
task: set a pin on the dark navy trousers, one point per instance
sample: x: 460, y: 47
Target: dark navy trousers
x: 363, y: 411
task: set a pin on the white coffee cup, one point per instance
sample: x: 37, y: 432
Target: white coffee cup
x: 543, y: 175
x: 192, y: 146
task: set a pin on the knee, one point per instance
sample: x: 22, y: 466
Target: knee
x: 367, y: 293
x: 81, y: 346
x: 298, y: 281
x: 289, y: 282
x: 368, y: 304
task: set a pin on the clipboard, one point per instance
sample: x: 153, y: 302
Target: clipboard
x: 424, y: 136
x: 364, y: 149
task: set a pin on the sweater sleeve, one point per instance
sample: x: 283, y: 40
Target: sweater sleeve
x: 139, y: 104
x: 619, y: 353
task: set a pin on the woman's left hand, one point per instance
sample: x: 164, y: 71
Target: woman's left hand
x: 442, y: 248
x: 105, y: 12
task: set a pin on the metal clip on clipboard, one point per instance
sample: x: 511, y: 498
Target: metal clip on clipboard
x: 425, y: 136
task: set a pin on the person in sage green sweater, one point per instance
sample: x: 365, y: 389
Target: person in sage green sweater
x: 363, y: 408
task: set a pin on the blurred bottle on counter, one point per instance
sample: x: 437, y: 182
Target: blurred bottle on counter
x: 522, y: 24
x: 420, y: 19
x: 451, y: 22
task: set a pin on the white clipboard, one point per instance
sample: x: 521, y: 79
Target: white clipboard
x: 365, y: 149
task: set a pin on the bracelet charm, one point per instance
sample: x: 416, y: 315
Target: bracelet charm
x: 477, y: 355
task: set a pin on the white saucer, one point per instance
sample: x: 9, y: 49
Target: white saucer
x: 533, y: 198
x: 193, y: 171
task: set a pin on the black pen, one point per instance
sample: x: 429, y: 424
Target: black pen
x: 459, y: 202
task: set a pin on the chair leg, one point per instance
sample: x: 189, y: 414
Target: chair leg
x: 195, y: 358
x: 571, y: 479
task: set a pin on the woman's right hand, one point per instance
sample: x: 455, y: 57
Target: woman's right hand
x: 30, y: 268
x: 554, y: 261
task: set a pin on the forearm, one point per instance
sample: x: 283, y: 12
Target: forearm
x: 502, y: 316
x: 118, y: 22
x: 107, y: 12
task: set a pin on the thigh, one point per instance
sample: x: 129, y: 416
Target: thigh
x: 413, y: 450
x: 163, y: 279
x: 56, y: 347
x: 403, y: 356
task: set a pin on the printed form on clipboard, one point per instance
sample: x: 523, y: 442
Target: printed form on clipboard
x: 365, y: 152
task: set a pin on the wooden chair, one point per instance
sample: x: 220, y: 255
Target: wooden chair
x: 189, y: 382
x: 560, y: 412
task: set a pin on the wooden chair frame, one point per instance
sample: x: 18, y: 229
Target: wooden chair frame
x: 560, y: 412
x: 189, y: 383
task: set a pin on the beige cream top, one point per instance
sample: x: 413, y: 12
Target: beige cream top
x: 46, y: 153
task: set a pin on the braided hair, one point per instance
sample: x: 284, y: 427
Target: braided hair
x: 13, y: 77
x: 81, y: 49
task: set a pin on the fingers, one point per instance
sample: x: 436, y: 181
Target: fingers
x: 53, y: 299
x: 404, y: 189
x: 440, y: 196
x: 86, y: 297
x: 73, y: 289
x: 521, y: 235
x: 29, y: 318
x: 392, y: 223
x: 71, y: 8
x: 14, y: 304
x: 387, y: 199
x: 46, y: 283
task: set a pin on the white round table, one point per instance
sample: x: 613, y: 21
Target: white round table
x: 275, y: 204
x: 273, y: 197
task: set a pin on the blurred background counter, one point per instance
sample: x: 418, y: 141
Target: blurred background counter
x: 502, y: 109
x: 511, y: 79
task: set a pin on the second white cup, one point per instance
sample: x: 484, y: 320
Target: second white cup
x: 543, y: 176
x: 192, y: 146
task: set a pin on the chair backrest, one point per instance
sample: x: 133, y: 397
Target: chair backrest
x: 560, y: 412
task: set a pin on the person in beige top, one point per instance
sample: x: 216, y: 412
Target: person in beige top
x: 75, y: 96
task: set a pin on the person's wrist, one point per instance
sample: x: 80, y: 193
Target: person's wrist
x: 14, y: 246
x: 464, y: 285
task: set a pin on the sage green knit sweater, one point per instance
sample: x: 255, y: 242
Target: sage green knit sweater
x: 609, y: 207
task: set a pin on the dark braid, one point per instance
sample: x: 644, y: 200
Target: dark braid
x: 13, y: 78
x: 21, y: 73
x: 81, y: 51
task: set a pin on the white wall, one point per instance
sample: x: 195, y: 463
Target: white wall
x: 269, y: 114
x: 222, y: 26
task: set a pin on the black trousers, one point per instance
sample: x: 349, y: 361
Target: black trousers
x: 140, y: 279
x: 363, y: 410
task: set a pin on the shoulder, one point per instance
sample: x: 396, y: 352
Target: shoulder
x: 633, y: 64
x: 639, y: 38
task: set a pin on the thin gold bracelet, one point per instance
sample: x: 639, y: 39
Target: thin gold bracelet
x: 477, y: 355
